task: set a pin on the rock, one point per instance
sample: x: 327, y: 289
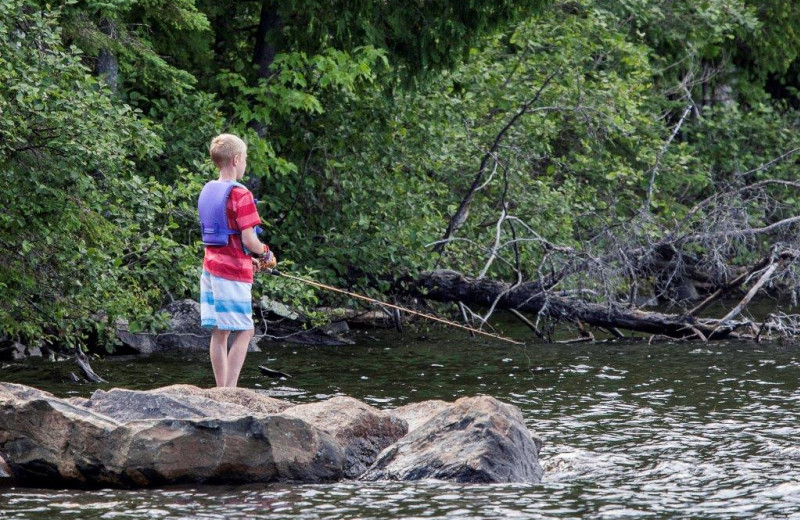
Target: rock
x: 293, y: 333
x: 477, y: 439
x: 291, y: 326
x: 363, y: 431
x: 140, y: 343
x: 6, y: 477
x: 336, y: 327
x: 130, y: 405
x: 359, y: 319
x: 247, y: 449
x: 51, y: 442
x: 417, y: 414
x: 184, y: 434
x: 184, y: 333
x: 16, y: 351
x: 256, y: 402
x: 280, y: 310
x: 23, y: 392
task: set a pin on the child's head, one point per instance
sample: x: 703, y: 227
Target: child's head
x: 224, y: 148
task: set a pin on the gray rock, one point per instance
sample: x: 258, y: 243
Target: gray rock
x: 247, y: 449
x: 23, y: 392
x: 6, y: 477
x: 280, y: 310
x: 336, y: 327
x: 142, y: 342
x: 417, y: 414
x: 16, y: 351
x: 47, y: 441
x: 477, y: 439
x: 51, y: 442
x: 184, y: 333
x: 130, y: 405
x: 363, y: 431
x: 255, y: 401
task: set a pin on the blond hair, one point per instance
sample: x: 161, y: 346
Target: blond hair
x: 224, y: 148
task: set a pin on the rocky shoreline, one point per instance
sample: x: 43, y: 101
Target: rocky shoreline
x: 276, y: 322
x: 185, y: 434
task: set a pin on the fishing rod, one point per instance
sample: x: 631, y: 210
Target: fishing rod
x: 275, y: 272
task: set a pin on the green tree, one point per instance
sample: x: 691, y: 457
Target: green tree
x: 77, y: 232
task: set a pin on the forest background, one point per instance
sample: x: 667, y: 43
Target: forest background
x: 499, y: 139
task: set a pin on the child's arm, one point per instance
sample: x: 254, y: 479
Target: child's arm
x: 253, y: 244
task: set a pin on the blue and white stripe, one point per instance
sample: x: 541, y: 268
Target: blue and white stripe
x: 225, y: 304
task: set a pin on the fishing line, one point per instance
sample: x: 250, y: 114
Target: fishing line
x: 403, y: 309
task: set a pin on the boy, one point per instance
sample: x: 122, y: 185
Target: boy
x: 228, y: 216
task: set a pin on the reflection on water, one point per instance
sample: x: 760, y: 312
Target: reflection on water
x: 661, y: 431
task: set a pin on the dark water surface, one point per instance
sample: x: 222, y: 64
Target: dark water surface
x: 631, y: 430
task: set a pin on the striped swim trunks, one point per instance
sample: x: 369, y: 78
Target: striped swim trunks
x: 225, y: 304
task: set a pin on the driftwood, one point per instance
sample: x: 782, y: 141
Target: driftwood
x: 82, y: 360
x: 530, y: 298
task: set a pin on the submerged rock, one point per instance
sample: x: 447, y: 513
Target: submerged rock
x: 477, y: 439
x: 186, y: 434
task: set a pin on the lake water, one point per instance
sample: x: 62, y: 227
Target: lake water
x: 631, y: 430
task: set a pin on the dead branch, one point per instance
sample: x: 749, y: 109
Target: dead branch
x: 450, y: 286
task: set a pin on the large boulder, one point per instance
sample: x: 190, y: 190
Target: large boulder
x: 363, y: 431
x: 47, y: 441
x: 241, y: 450
x: 255, y: 401
x: 180, y: 402
x: 131, y: 405
x: 185, y: 434
x: 477, y: 439
x: 51, y: 442
x: 417, y: 414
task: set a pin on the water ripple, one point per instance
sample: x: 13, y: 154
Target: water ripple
x: 630, y: 431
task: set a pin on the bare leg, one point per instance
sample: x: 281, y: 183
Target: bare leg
x: 219, y: 354
x: 241, y: 340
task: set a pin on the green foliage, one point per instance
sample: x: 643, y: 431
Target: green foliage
x: 81, y: 230
x: 421, y: 36
x: 365, y: 132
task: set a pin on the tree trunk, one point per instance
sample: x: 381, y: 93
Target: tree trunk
x: 107, y: 64
x: 263, y: 50
x: 451, y: 286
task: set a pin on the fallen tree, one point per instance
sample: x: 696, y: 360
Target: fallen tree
x: 532, y: 298
x: 607, y: 279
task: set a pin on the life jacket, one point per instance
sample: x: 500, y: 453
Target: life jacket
x: 213, y: 218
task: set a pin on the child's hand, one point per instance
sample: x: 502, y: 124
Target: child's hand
x: 269, y: 262
x: 264, y: 261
